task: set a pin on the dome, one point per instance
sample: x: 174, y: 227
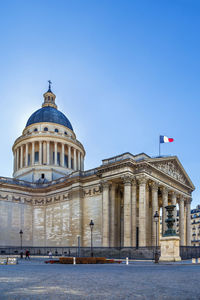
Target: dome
x: 49, y: 114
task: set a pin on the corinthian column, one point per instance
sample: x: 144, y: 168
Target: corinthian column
x: 55, y: 153
x: 154, y: 209
x: 17, y: 158
x: 79, y: 160
x: 142, y: 211
x: 181, y: 221
x: 63, y: 155
x: 15, y: 161
x: 148, y: 216
x: 44, y: 152
x: 127, y: 211
x: 82, y: 162
x: 133, y: 210
x: 175, y: 210
x: 164, y: 204
x: 75, y: 162
x: 21, y: 156
x: 48, y: 153
x: 188, y: 222
x: 105, y: 214
x: 26, y: 155
x: 112, y: 215
x: 33, y: 153
x: 69, y: 157
x: 40, y: 152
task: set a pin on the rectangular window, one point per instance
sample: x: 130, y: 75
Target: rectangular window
x: 58, y: 158
x: 72, y: 163
x: 66, y: 161
x: 36, y: 157
x: 29, y: 159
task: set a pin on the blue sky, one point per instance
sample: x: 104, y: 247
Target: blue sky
x: 123, y: 72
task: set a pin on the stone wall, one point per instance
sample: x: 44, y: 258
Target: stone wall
x: 13, y: 217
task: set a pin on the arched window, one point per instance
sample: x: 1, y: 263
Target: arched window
x: 56, y: 130
x: 35, y: 129
x: 45, y: 128
x: 65, y: 132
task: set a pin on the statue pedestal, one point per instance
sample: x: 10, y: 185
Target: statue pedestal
x: 170, y: 248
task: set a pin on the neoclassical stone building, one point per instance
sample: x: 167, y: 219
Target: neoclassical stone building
x: 52, y: 199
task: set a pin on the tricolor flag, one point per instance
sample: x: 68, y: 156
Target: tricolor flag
x: 165, y: 139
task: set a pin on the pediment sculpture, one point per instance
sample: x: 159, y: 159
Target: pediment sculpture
x: 171, y: 169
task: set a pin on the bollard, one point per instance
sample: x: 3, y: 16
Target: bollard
x: 74, y: 260
x: 126, y: 260
x: 194, y: 260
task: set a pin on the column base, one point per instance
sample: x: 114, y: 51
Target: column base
x: 170, y: 248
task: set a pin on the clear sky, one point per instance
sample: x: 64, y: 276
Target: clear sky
x: 123, y: 72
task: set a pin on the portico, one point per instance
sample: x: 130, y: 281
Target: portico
x: 131, y: 201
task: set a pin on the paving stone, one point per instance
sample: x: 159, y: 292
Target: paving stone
x: 139, y: 280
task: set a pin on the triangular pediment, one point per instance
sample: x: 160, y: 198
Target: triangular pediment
x: 173, y: 168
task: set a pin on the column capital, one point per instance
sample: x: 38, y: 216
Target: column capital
x: 173, y: 193
x: 164, y: 190
x: 105, y: 184
x: 154, y: 186
x: 181, y: 199
x: 127, y: 179
x: 188, y: 200
x: 142, y: 179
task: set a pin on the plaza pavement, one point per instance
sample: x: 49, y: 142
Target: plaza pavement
x: 139, y: 280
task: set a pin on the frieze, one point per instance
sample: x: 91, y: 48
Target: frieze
x: 66, y: 197
x: 92, y: 192
x: 39, y: 201
x: 17, y: 199
x: 56, y: 199
x: 4, y: 197
x: 29, y: 201
x: 49, y: 200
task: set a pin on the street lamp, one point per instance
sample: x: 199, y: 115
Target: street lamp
x: 156, y: 219
x: 91, y: 227
x: 21, y: 233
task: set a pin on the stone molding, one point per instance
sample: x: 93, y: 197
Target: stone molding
x: 93, y: 191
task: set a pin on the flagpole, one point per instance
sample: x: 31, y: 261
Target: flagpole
x: 159, y: 145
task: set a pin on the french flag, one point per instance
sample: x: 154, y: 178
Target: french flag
x: 165, y: 139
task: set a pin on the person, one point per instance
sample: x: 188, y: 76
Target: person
x: 27, y: 254
x: 50, y: 254
x: 21, y: 254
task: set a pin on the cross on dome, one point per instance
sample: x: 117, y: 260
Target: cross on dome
x: 50, y: 83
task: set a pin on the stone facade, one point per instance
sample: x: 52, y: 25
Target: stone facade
x: 52, y: 199
x: 121, y: 197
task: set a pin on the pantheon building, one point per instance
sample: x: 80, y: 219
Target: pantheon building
x: 52, y: 199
